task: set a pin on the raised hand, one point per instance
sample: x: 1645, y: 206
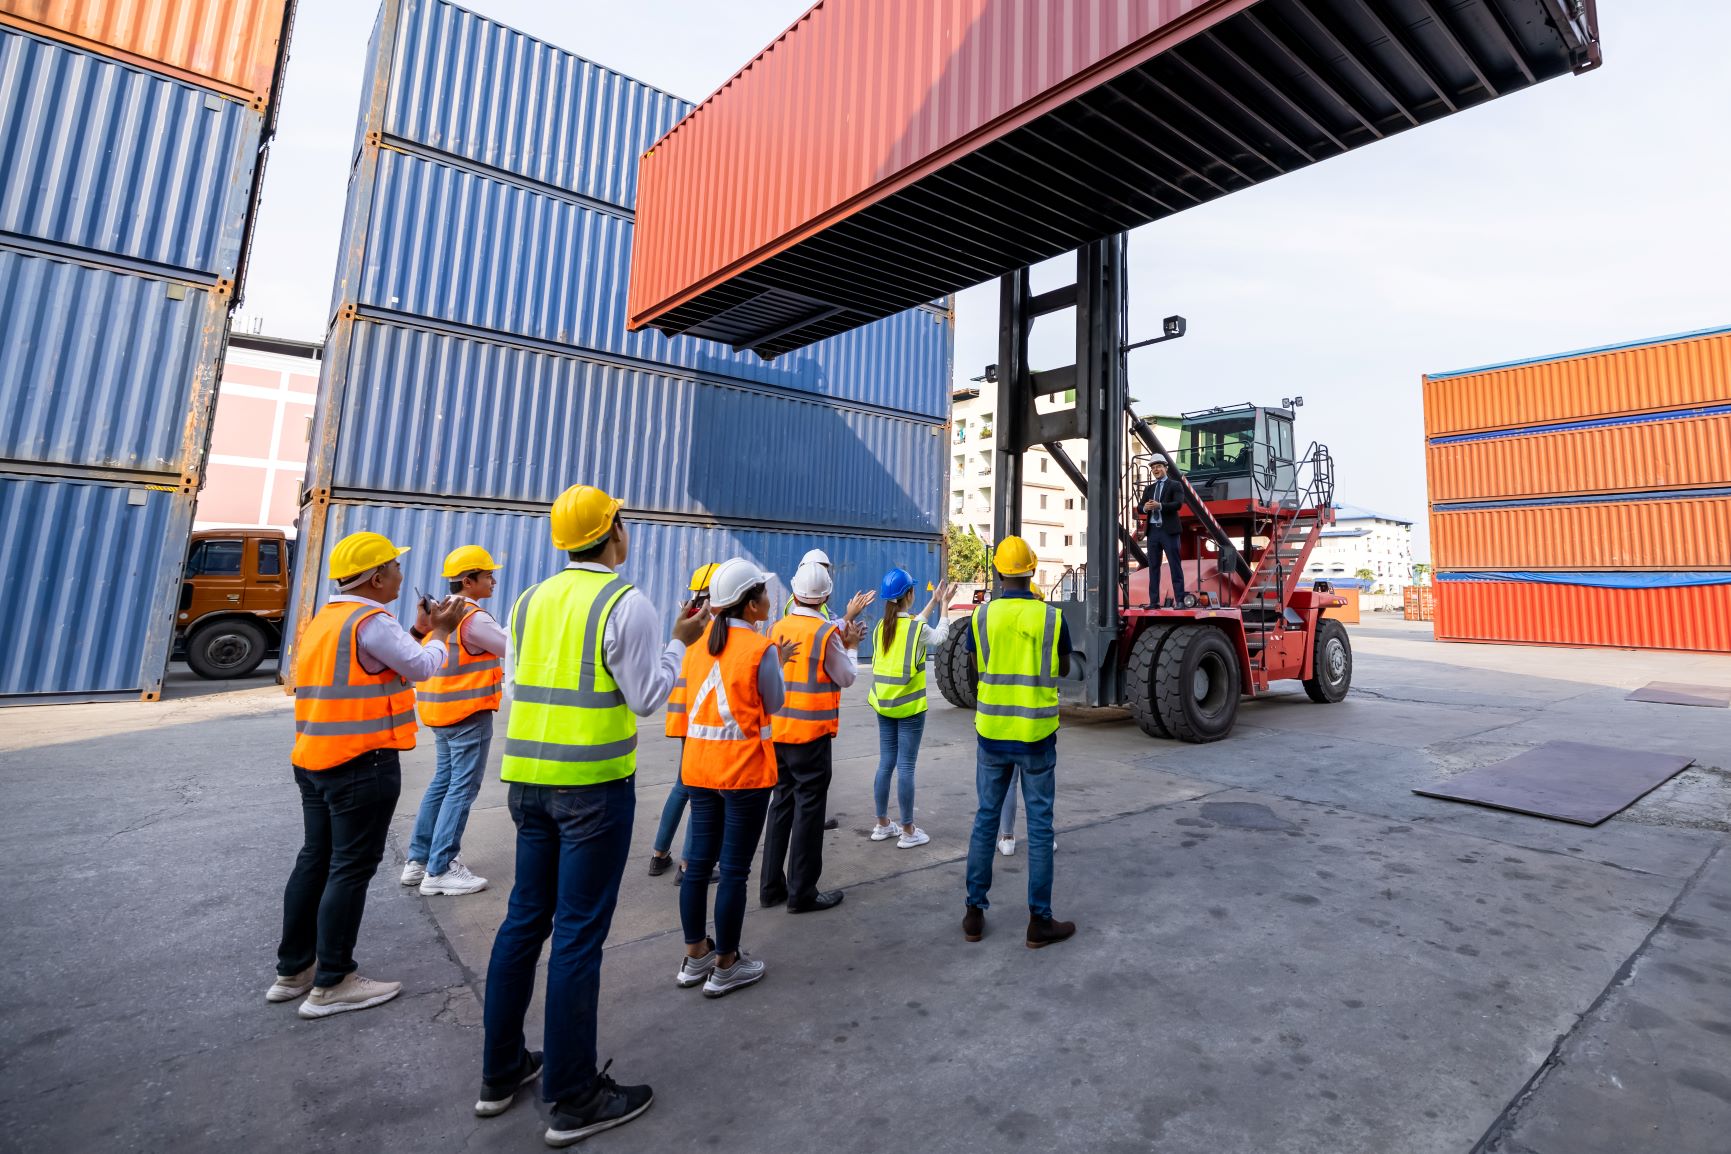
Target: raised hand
x: 690, y: 624
x: 789, y: 649
x: 858, y: 605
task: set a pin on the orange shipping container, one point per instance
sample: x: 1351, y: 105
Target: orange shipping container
x: 1684, y: 617
x: 229, y: 45
x: 1663, y: 373
x: 1345, y: 614
x: 1623, y: 533
x: 1687, y: 453
x: 1419, y: 602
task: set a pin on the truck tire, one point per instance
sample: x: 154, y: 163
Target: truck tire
x: 227, y: 649
x: 1139, y: 680
x: 954, y: 672
x: 1333, y: 664
x: 1197, y: 683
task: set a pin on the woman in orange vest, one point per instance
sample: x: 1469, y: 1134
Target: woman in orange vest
x: 733, y: 685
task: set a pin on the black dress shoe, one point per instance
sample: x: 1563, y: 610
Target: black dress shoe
x: 770, y: 901
x: 823, y: 901
x: 831, y: 823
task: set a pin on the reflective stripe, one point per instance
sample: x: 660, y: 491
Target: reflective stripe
x: 1035, y: 712
x: 981, y: 638
x: 346, y: 635
x: 676, y: 707
x: 892, y: 702
x: 1035, y: 680
x: 348, y: 692
x: 810, y: 714
x: 1047, y: 637
x: 728, y: 733
x: 556, y: 751
x: 475, y: 694
x: 729, y: 729
x: 581, y: 698
x: 517, y: 614
x: 351, y: 728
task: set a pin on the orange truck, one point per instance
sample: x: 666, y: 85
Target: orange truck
x: 233, y: 599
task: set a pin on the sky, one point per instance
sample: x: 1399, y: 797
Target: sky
x: 1589, y: 210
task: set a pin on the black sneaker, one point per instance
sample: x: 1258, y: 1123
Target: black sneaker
x: 608, y: 1105
x: 659, y: 865
x: 497, y: 1096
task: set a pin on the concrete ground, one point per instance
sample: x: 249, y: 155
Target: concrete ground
x: 1282, y: 948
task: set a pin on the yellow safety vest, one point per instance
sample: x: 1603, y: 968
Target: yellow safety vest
x: 899, y: 670
x: 569, y: 723
x: 1016, y: 647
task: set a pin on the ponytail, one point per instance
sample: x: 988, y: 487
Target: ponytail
x: 892, y: 618
x: 722, y: 624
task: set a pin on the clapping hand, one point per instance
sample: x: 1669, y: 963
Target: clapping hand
x: 789, y: 650
x: 446, y: 615
x: 852, y: 634
x: 858, y: 605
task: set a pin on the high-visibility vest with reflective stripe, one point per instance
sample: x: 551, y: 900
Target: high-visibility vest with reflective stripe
x: 793, y: 603
x: 677, y: 703
x: 569, y: 724
x: 813, y: 707
x: 727, y: 732
x: 899, y: 670
x: 1016, y: 649
x: 341, y: 710
x: 466, y: 684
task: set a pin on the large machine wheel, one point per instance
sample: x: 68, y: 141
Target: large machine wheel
x: 1333, y: 665
x: 954, y: 672
x: 1139, y: 680
x: 1197, y: 683
x: 226, y: 649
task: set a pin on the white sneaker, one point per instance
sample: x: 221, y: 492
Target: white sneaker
x: 695, y: 971
x: 743, y: 972
x: 885, y: 832
x: 352, y: 993
x: 414, y: 872
x: 286, y: 988
x: 455, y: 881
x: 1007, y: 846
x: 914, y: 836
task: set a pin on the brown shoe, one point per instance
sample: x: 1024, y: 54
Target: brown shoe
x: 1042, y: 932
x: 974, y: 924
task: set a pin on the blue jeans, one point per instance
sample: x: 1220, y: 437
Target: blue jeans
x: 459, y: 764
x: 1007, y: 822
x: 572, y: 842
x: 898, y: 750
x: 671, y: 811
x: 725, y: 827
x: 993, y: 775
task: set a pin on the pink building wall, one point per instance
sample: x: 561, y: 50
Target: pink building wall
x: 258, y: 443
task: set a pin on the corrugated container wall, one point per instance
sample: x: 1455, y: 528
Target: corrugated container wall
x: 1585, y: 498
x: 132, y: 143
x: 479, y: 362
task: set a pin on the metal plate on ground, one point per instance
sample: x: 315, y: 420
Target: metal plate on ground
x: 1566, y: 780
x: 1676, y: 693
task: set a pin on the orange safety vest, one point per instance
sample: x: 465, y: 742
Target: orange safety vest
x: 677, y: 703
x: 727, y: 735
x: 464, y: 686
x: 341, y: 710
x: 813, y: 708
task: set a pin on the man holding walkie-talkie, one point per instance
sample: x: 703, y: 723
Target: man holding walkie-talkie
x: 1161, y: 500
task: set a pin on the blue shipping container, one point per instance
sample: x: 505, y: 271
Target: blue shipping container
x: 105, y: 369
x: 94, y: 570
x: 100, y: 156
x: 430, y: 412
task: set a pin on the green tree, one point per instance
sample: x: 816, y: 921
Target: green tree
x: 1421, y: 574
x: 968, y: 556
x: 1368, y: 575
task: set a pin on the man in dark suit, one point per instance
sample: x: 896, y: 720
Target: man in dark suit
x: 1161, y: 500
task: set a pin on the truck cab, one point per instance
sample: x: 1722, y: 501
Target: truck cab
x: 233, y: 599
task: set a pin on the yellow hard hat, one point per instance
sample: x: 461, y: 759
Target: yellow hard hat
x: 582, y: 516
x: 700, y: 576
x: 466, y: 559
x: 359, y: 552
x: 1013, y: 558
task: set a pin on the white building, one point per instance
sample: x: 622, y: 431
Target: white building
x: 1363, y: 539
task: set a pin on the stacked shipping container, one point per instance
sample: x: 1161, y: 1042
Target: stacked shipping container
x: 1585, y: 499
x: 478, y: 360
x: 132, y: 140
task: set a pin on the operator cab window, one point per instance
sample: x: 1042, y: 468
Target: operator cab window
x: 217, y: 558
x: 269, y: 559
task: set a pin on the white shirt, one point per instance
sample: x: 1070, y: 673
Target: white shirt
x: 385, y: 644
x: 630, y: 648
x: 480, y: 632
x: 840, y: 662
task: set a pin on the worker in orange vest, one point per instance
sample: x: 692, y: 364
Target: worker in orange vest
x: 354, y: 710
x: 735, y: 686
x: 458, y: 704
x: 661, y: 850
x: 828, y: 663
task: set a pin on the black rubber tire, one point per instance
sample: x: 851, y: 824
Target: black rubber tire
x: 955, y: 674
x: 1332, y: 665
x: 1198, y: 657
x: 227, y: 649
x: 1139, y: 679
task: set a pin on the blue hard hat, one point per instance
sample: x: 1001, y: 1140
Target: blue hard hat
x: 895, y: 583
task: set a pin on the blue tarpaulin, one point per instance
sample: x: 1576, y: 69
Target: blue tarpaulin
x: 1623, y: 580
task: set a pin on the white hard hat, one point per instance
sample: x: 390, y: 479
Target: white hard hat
x: 812, y: 582
x: 732, y: 580
x: 817, y: 555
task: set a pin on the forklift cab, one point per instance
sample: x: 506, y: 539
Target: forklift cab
x: 1239, y: 453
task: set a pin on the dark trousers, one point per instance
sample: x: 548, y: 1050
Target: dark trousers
x: 794, y: 834
x: 1161, y: 542
x: 347, y: 810
x: 572, y: 842
x: 725, y: 826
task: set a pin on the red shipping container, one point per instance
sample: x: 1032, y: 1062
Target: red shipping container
x: 1696, y: 617
x: 1622, y: 533
x: 883, y: 153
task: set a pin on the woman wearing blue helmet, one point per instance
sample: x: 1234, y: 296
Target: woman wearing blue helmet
x: 899, y: 695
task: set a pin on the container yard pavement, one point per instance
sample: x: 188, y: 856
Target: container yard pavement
x: 1281, y: 948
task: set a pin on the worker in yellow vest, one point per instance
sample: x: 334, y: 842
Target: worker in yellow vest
x: 585, y: 660
x: 354, y: 710
x: 900, y: 644
x: 805, y: 729
x: 728, y: 763
x: 661, y: 850
x: 1020, y: 647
